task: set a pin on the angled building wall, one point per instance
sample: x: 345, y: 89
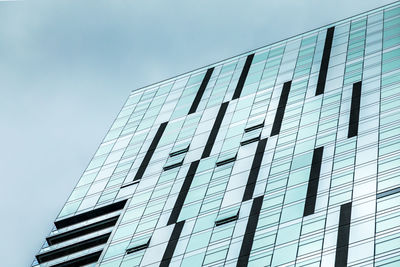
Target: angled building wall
x: 287, y: 155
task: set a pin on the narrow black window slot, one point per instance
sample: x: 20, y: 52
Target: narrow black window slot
x: 166, y: 168
x: 388, y: 192
x: 131, y: 183
x: 176, y: 210
x: 323, y: 70
x: 67, y: 250
x: 342, y: 244
x: 137, y: 248
x: 176, y: 153
x: 255, y: 127
x: 243, y: 76
x: 354, y: 110
x: 226, y: 220
x: 214, y: 130
x: 201, y: 90
x: 84, y: 260
x: 313, y: 182
x: 226, y: 161
x: 55, y: 239
x: 255, y: 169
x: 276, y: 127
x: 150, y: 151
x: 250, y: 232
x: 90, y: 214
x: 252, y: 140
x: 173, y: 241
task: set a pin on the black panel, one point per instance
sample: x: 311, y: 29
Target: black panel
x: 250, y: 231
x: 214, y: 130
x: 276, y: 127
x: 252, y: 140
x: 137, y: 248
x: 355, y: 110
x: 342, y: 245
x: 87, y: 229
x: 67, y: 250
x: 243, y: 76
x: 226, y: 161
x: 255, y: 127
x: 90, y: 214
x: 388, y: 192
x: 173, y: 241
x: 87, y: 259
x: 183, y: 192
x: 201, y: 90
x: 313, y: 181
x: 178, y: 152
x: 226, y: 220
x: 166, y: 168
x: 255, y: 169
x: 130, y: 183
x: 325, y: 61
x: 150, y: 152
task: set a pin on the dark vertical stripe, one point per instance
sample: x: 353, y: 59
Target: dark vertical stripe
x: 323, y: 70
x: 250, y: 231
x: 243, y: 76
x: 173, y: 241
x: 183, y: 193
x: 214, y: 130
x: 342, y: 245
x: 255, y: 169
x: 276, y: 127
x: 150, y: 151
x: 313, y: 181
x: 355, y: 110
x: 201, y: 90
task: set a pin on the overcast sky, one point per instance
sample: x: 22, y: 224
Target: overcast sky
x: 66, y: 68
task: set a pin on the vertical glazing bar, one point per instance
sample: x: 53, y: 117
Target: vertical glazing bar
x: 243, y: 76
x: 325, y: 61
x: 355, y: 110
x: 201, y: 90
x: 313, y: 181
x: 173, y: 241
x: 183, y: 193
x: 250, y: 231
x: 342, y: 245
x: 150, y: 151
x: 276, y: 127
x: 214, y: 130
x: 255, y: 169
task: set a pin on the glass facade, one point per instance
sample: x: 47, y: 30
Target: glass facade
x: 287, y: 155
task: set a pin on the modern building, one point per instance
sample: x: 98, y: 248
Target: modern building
x: 288, y: 155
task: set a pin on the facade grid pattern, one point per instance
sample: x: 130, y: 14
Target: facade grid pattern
x: 285, y: 156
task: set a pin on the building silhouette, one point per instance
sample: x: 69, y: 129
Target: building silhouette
x: 288, y: 155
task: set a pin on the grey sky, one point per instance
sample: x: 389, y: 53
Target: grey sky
x: 66, y: 68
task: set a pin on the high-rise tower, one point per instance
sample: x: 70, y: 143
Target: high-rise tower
x: 288, y: 155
